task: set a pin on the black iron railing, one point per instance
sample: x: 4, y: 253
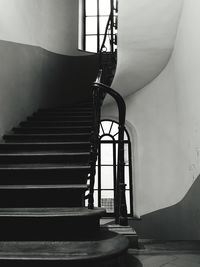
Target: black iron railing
x: 99, y: 92
x: 108, y: 55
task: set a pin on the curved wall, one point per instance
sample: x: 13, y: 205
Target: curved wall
x: 147, y: 31
x: 165, y: 114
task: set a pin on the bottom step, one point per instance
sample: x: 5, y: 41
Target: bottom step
x: 126, y: 231
x: 107, y: 249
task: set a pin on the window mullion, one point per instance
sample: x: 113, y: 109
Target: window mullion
x: 99, y: 176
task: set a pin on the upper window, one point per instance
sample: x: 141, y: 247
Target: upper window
x: 94, y: 16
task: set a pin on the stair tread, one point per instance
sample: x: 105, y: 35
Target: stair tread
x: 81, y: 115
x: 40, y: 166
x: 45, y: 143
x: 59, y: 121
x: 51, y: 212
x: 49, y: 134
x: 44, y: 186
x: 105, y: 246
x: 55, y: 127
x: 43, y: 153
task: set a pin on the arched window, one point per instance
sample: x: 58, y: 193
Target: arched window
x: 106, y: 169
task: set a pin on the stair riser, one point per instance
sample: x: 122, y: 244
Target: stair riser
x: 46, y: 138
x: 33, y: 198
x: 47, y: 228
x: 116, y: 262
x: 60, y: 118
x: 67, y: 109
x: 44, y: 147
x: 54, y: 123
x: 40, y: 130
x: 43, y: 176
x: 45, y: 159
x: 64, y: 113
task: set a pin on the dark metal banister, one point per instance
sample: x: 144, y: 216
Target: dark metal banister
x: 106, y: 31
x: 99, y: 92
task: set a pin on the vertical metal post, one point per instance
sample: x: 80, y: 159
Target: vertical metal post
x: 112, y: 25
x: 84, y: 24
x: 94, y: 145
x: 99, y: 175
x: 130, y: 177
x: 98, y: 26
x: 121, y: 181
x: 115, y: 179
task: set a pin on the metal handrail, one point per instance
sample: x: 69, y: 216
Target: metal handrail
x: 99, y: 92
x: 106, y: 31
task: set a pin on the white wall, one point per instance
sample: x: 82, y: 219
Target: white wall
x: 147, y: 31
x: 51, y: 24
x: 166, y: 116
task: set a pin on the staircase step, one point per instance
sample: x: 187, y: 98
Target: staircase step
x: 126, y: 231
x: 42, y: 195
x: 49, y: 223
x: 44, y: 157
x: 47, y: 130
x: 60, y: 118
x: 55, y: 123
x: 67, y: 109
x: 43, y: 173
x: 98, y: 252
x: 45, y: 146
x: 47, y: 137
x: 64, y: 112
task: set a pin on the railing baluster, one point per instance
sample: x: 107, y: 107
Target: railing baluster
x: 99, y: 91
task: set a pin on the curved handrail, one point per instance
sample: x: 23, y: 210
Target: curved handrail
x: 99, y: 92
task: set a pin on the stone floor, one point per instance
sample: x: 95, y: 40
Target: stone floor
x: 169, y: 254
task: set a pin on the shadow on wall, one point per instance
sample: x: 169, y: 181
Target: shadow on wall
x: 68, y: 79
x: 179, y: 222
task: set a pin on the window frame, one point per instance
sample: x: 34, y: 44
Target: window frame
x: 114, y: 142
x: 98, y: 34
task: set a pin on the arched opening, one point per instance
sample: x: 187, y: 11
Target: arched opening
x: 106, y: 169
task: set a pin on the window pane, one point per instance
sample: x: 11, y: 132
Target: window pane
x: 126, y: 155
x: 91, y: 43
x: 96, y: 179
x: 91, y: 25
x: 104, y: 7
x: 103, y: 23
x: 107, y: 154
x: 107, y: 177
x: 128, y: 201
x: 106, y: 126
x: 91, y: 7
x: 115, y: 129
x: 125, y: 136
x: 107, y: 138
x: 107, y: 200
x: 127, y: 177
